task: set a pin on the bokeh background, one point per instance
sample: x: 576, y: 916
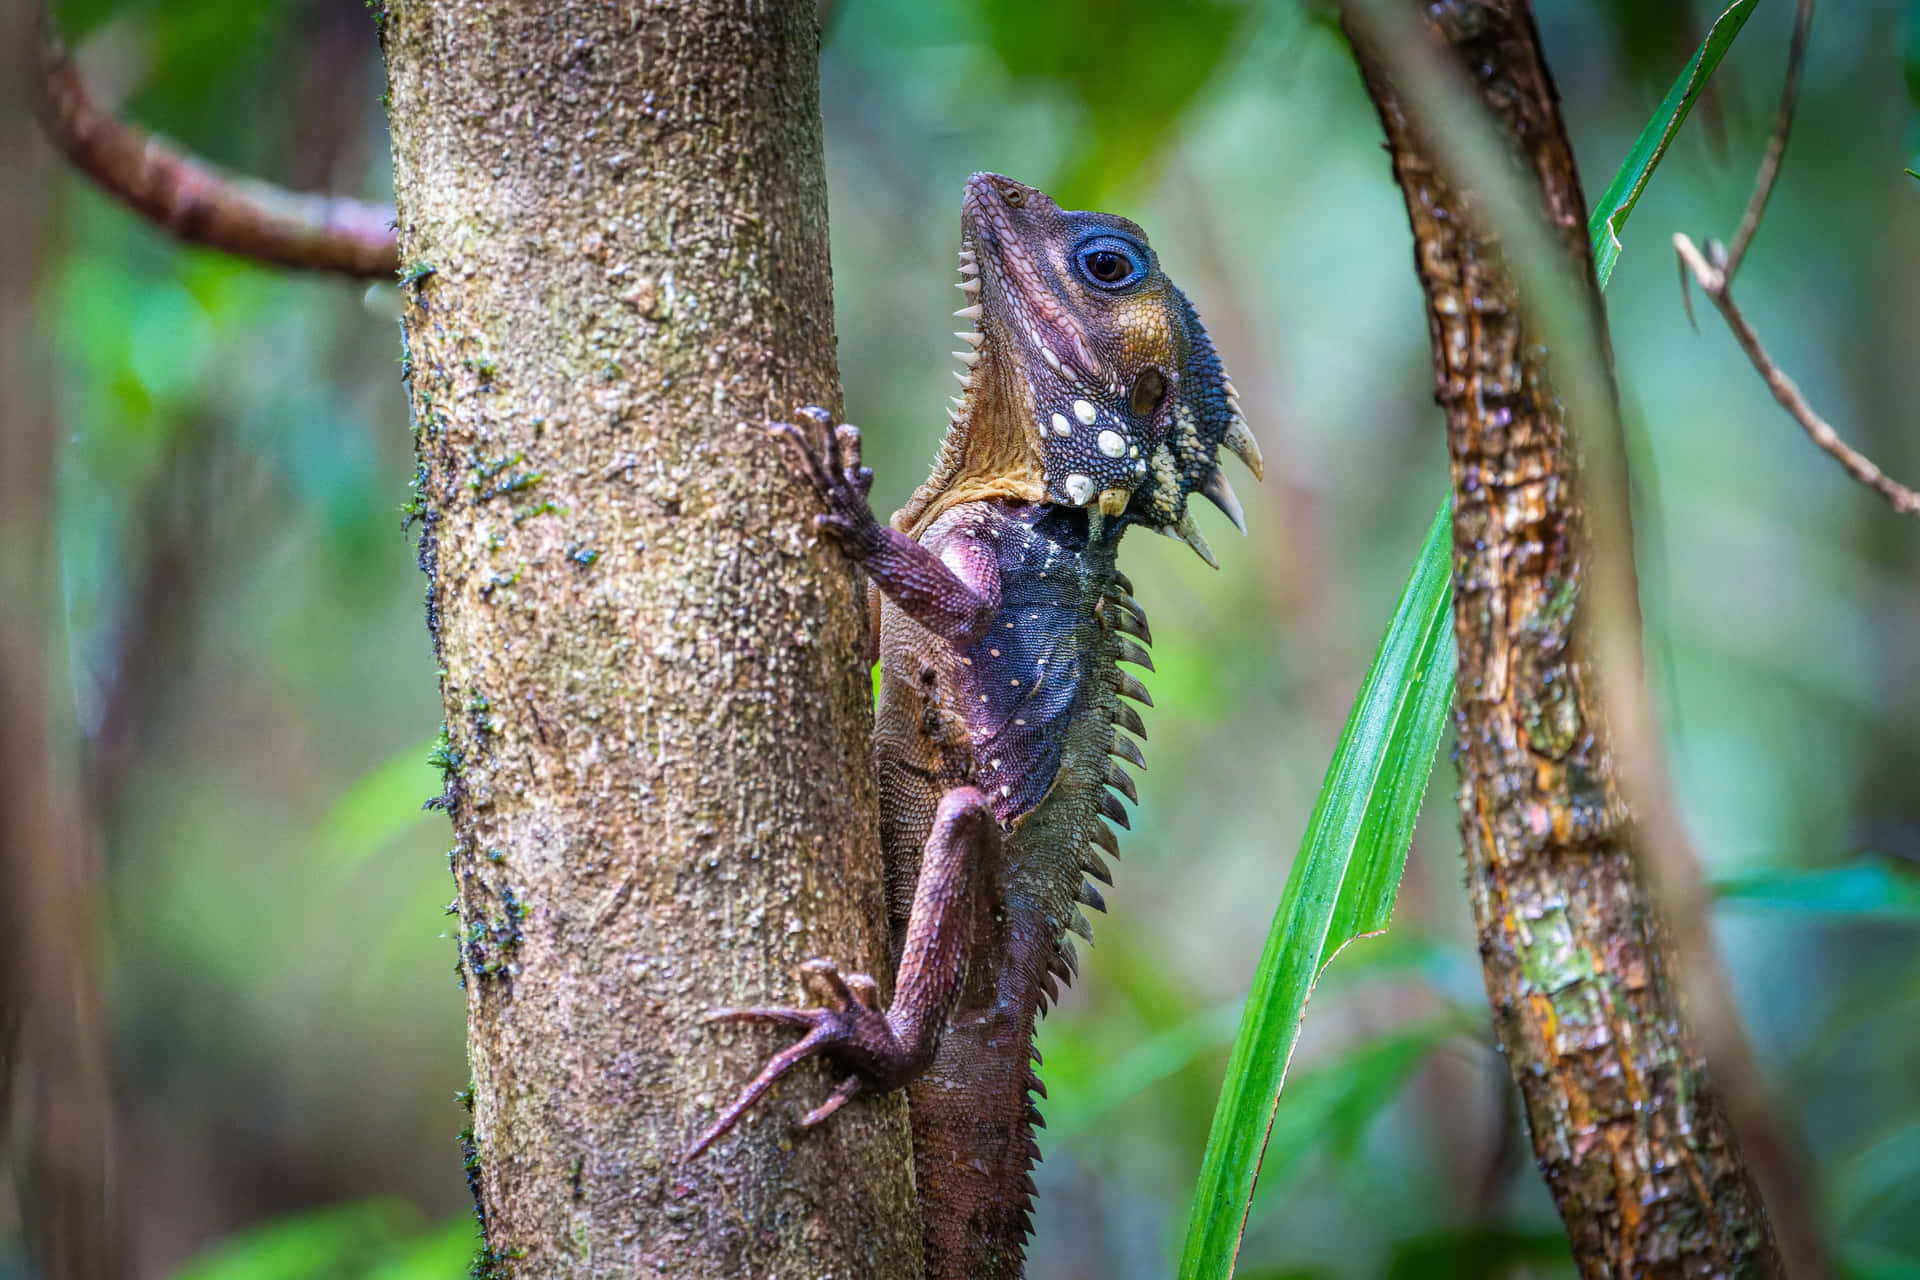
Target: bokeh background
x: 242, y: 674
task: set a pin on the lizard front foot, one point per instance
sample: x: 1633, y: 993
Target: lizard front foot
x: 829, y: 457
x: 847, y: 1025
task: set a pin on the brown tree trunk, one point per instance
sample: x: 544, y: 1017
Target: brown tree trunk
x: 54, y: 1069
x: 614, y: 250
x: 1626, y: 1125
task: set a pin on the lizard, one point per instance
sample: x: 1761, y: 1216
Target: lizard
x: 1093, y: 401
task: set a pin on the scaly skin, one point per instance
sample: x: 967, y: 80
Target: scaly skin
x: 1094, y: 402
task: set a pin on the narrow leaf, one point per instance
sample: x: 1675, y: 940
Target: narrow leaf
x: 1334, y: 1104
x: 1631, y: 179
x: 376, y: 808
x: 1342, y: 886
x: 1869, y: 889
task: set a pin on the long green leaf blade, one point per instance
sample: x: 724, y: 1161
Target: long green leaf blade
x: 1342, y: 886
x: 1631, y: 179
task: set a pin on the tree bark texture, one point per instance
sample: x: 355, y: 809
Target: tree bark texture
x: 614, y: 249
x: 1626, y: 1125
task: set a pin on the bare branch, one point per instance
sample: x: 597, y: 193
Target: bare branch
x: 1715, y: 268
x: 197, y: 202
x: 1714, y: 282
x: 1777, y: 143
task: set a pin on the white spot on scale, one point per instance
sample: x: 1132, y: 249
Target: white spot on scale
x: 1079, y: 488
x: 1061, y: 427
x: 1084, y: 411
x: 1111, y: 443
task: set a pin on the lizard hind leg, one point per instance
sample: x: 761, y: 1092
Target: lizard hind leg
x: 884, y: 1049
x: 846, y: 1004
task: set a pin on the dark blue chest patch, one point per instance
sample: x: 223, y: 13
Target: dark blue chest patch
x: 1037, y: 666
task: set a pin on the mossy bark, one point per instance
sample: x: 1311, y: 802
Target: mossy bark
x: 614, y: 247
x: 1626, y: 1123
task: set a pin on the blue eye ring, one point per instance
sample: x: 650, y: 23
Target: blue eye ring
x: 1110, y: 262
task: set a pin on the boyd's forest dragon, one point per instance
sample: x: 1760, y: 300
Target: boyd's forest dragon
x: 1093, y: 402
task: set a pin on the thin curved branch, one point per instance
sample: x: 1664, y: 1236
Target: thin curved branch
x: 196, y: 202
x: 1714, y: 283
x: 1776, y: 143
x: 1714, y: 269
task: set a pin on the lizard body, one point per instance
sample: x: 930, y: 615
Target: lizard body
x: 1093, y: 402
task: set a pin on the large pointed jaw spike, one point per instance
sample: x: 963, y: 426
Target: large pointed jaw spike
x: 1217, y: 491
x: 1189, y: 532
x: 1241, y: 441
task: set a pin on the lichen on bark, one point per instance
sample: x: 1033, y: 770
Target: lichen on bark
x: 613, y: 231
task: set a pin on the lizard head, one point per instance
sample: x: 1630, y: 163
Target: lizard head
x: 1089, y: 380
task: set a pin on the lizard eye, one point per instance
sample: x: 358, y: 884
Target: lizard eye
x: 1109, y: 262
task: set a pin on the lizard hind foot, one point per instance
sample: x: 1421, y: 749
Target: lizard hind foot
x: 845, y: 1002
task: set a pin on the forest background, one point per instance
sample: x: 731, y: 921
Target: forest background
x: 242, y: 662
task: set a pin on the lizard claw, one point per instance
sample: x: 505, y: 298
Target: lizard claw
x: 848, y: 1018
x: 829, y: 457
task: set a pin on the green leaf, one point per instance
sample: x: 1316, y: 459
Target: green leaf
x: 442, y: 1254
x: 1154, y: 1059
x: 1334, y: 1104
x: 377, y: 806
x: 1624, y: 191
x: 1866, y: 1262
x: 341, y: 1240
x: 1478, y: 1252
x: 1342, y: 887
x: 1171, y: 53
x: 367, y: 1240
x: 1869, y: 889
x: 1088, y: 1080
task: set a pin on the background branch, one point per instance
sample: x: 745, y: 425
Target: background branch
x: 1715, y: 273
x: 1777, y: 142
x: 194, y: 201
x: 1714, y: 282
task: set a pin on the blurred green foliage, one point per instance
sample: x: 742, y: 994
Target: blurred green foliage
x: 234, y: 585
x: 377, y: 1240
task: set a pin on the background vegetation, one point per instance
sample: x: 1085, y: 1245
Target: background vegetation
x: 248, y: 674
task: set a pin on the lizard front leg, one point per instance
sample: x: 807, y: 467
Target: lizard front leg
x: 954, y: 594
x: 885, y: 1049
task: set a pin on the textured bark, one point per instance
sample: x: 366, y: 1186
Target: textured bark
x: 614, y: 247
x: 1626, y: 1125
